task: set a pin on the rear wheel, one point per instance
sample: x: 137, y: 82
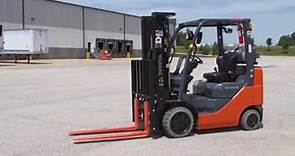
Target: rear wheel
x: 178, y: 122
x: 250, y: 120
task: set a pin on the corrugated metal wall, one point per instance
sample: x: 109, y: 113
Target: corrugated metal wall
x: 101, y: 24
x: 11, y: 11
x: 51, y: 14
x: 11, y: 14
x: 103, y: 21
x: 133, y: 30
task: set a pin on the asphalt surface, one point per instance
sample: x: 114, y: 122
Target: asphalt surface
x: 41, y: 102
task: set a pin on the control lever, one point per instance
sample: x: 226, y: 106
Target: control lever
x: 215, y: 69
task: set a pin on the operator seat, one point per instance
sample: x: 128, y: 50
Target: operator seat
x: 226, y: 64
x: 225, y: 82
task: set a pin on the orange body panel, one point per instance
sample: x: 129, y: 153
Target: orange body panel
x: 229, y: 115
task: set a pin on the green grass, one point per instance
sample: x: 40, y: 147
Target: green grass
x: 263, y: 50
x: 275, y: 51
x: 181, y: 49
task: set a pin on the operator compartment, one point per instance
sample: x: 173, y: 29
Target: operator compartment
x: 220, y: 86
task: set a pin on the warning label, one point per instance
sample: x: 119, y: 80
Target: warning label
x: 159, y: 33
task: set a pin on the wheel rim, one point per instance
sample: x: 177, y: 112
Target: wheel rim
x: 252, y: 120
x: 180, y: 123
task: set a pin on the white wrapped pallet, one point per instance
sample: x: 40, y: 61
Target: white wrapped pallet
x: 25, y: 41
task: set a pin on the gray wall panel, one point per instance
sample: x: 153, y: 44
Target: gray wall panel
x: 103, y: 21
x: 65, y: 53
x: 48, y: 13
x: 11, y: 11
x: 133, y: 25
x: 62, y: 53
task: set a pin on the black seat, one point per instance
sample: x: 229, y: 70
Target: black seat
x: 218, y: 90
x: 226, y: 69
x: 219, y: 77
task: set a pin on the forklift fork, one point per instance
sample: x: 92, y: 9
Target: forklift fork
x: 118, y: 133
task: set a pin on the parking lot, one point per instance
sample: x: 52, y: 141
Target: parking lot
x: 42, y: 101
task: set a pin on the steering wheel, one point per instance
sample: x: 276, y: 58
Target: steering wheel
x: 199, y: 60
x: 195, y: 57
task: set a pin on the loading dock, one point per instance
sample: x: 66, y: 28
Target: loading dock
x: 100, y: 44
x: 116, y: 47
x: 128, y: 48
x: 110, y: 46
x: 120, y: 49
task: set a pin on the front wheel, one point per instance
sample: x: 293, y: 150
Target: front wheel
x: 178, y: 122
x: 250, y: 120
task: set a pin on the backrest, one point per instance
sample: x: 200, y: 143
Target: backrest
x: 240, y: 55
x: 226, y: 63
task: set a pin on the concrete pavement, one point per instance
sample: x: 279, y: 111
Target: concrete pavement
x: 41, y: 102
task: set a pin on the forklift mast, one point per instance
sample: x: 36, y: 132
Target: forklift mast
x: 150, y: 76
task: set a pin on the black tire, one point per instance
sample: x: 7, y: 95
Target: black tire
x: 178, y: 122
x: 250, y: 120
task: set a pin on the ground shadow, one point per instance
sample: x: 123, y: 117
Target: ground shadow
x: 24, y: 62
x: 202, y: 132
x: 220, y: 130
x: 92, y: 142
x: 269, y: 66
x: 7, y: 65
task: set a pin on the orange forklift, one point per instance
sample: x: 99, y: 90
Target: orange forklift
x: 230, y: 96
